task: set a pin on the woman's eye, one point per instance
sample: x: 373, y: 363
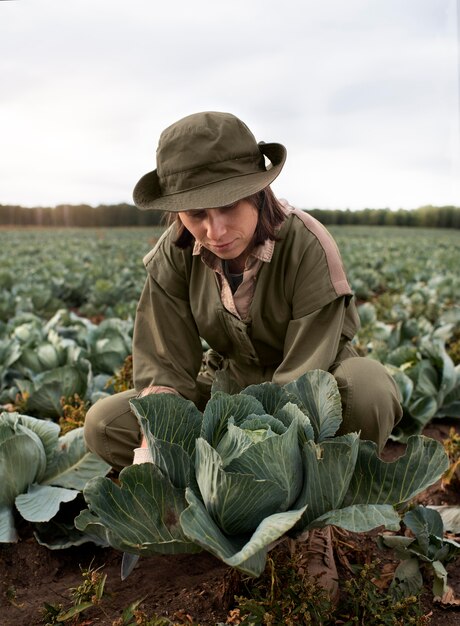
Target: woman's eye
x: 196, y: 214
x: 229, y: 207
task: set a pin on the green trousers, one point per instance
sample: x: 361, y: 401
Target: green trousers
x: 370, y: 405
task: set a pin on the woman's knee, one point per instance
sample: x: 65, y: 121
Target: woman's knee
x: 370, y: 399
x: 111, y: 429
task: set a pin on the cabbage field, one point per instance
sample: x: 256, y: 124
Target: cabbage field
x: 68, y: 299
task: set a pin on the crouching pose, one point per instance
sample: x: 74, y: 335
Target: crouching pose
x: 261, y: 282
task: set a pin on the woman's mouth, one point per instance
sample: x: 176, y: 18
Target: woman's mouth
x: 221, y: 246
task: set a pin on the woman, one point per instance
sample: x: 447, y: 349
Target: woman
x: 262, y: 283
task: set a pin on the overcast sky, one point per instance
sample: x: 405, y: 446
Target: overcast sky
x: 363, y: 93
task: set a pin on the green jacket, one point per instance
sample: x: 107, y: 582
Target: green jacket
x: 302, y: 316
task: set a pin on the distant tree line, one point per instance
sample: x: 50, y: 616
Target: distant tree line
x: 426, y: 217
x: 84, y: 215
x: 78, y: 215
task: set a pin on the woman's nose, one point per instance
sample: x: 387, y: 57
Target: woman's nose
x: 216, y: 227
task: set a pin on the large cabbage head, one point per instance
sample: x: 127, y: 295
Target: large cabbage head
x: 254, y: 466
x: 248, y: 463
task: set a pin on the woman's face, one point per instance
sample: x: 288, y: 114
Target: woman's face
x: 228, y: 231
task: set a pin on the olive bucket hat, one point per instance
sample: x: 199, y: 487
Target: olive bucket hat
x: 207, y: 160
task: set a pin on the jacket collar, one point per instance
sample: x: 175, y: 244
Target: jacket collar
x: 264, y: 253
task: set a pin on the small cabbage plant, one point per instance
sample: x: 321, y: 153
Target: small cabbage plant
x: 40, y: 471
x: 425, y: 549
x: 254, y: 466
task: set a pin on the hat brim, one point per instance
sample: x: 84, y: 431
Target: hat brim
x: 147, y: 193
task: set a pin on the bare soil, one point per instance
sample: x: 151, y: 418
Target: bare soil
x: 196, y: 589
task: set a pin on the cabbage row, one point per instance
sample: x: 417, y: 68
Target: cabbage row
x: 408, y: 286
x: 66, y: 313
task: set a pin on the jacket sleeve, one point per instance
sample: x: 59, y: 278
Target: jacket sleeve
x: 313, y: 341
x: 167, y: 349
x: 323, y: 313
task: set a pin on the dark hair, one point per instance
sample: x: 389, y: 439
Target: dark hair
x: 271, y: 215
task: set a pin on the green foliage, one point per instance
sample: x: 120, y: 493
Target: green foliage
x: 366, y: 604
x: 51, y: 336
x: 252, y: 467
x: 79, y: 215
x: 123, y: 378
x: 74, y: 413
x: 452, y: 448
x: 40, y: 471
x: 453, y: 346
x: 407, y: 278
x: 87, y: 595
x: 50, y: 613
x: 426, y: 216
x: 284, y: 594
x: 67, y: 356
x: 91, y: 594
x: 412, y: 332
x: 92, y: 587
x: 128, y: 215
x: 11, y: 596
x: 425, y: 550
x: 133, y: 616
